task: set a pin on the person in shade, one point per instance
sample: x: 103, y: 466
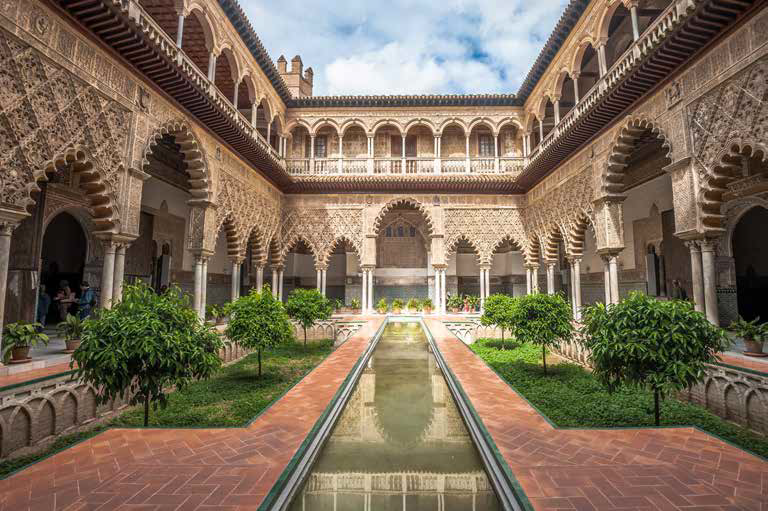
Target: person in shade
x: 43, y: 305
x: 87, y: 300
x: 678, y: 291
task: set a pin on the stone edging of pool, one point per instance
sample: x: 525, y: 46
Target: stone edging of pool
x: 290, y: 481
x: 508, y: 488
x: 611, y: 428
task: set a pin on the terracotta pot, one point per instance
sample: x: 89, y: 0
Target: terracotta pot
x: 72, y: 345
x: 20, y: 353
x: 395, y: 311
x: 753, y: 346
x: 381, y: 311
x: 455, y: 310
x: 427, y: 310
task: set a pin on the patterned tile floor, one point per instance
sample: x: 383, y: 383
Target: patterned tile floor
x: 184, y: 469
x: 606, y: 470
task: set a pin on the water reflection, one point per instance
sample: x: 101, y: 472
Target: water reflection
x: 400, y: 442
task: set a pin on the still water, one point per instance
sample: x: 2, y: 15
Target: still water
x: 400, y: 442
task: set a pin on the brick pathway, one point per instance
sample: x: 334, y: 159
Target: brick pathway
x: 755, y: 364
x: 167, y: 469
x: 606, y: 470
x: 34, y: 374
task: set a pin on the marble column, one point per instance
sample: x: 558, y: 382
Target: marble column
x: 119, y: 277
x: 488, y: 282
x: 482, y: 287
x: 319, y: 285
x: 6, y: 229
x: 613, y: 268
x: 179, y: 30
x: 235, y: 294
x: 635, y: 27
x: 442, y: 291
x: 323, y: 278
x: 527, y: 281
x: 108, y: 274
x: 275, y: 284
x: 437, y: 291
x: 535, y: 279
x: 364, y: 292
x: 204, y: 287
x: 607, y: 279
x: 280, y: 279
x: 710, y: 281
x: 551, y: 278
x: 697, y: 278
x: 577, y: 287
x: 197, y: 297
x: 259, y: 278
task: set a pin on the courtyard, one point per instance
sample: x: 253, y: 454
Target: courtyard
x: 222, y: 288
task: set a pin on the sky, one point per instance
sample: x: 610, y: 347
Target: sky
x: 408, y: 47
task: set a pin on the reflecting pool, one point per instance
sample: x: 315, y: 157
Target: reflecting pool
x: 400, y: 442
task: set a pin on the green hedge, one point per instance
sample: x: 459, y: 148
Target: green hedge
x: 571, y: 397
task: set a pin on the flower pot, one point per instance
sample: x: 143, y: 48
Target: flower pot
x: 72, y: 345
x: 381, y: 311
x: 355, y: 311
x: 395, y: 311
x: 427, y: 310
x: 455, y: 310
x: 753, y: 347
x: 20, y: 354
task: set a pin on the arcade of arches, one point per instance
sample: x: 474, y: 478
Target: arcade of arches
x: 106, y: 181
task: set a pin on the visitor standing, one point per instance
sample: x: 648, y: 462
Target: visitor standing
x: 678, y: 292
x: 43, y: 305
x: 87, y: 300
x: 64, y: 299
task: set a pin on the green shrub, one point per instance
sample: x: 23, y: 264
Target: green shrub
x: 71, y: 328
x: 663, y: 346
x: 426, y: 304
x: 498, y: 312
x: 145, y: 345
x: 454, y: 302
x: 307, y: 306
x: 259, y: 321
x: 397, y: 304
x: 542, y: 319
x: 354, y: 303
x: 414, y: 305
x: 382, y: 306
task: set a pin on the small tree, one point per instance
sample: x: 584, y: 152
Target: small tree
x: 259, y: 321
x: 307, y: 306
x: 147, y: 343
x: 498, y: 312
x: 542, y: 319
x: 663, y: 346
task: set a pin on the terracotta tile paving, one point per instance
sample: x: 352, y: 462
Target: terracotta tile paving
x: 669, y: 469
x: 756, y: 364
x: 34, y: 374
x: 184, y: 469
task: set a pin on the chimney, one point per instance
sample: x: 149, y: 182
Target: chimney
x: 299, y: 82
x: 297, y: 67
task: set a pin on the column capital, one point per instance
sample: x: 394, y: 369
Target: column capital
x: 708, y: 245
x: 368, y: 267
x: 9, y: 220
x: 439, y: 267
x: 321, y: 266
x: 237, y: 259
x: 485, y: 266
x: 693, y: 245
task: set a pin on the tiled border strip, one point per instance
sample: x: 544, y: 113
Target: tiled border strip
x: 288, y: 484
x: 246, y: 425
x: 608, y: 428
x: 508, y: 488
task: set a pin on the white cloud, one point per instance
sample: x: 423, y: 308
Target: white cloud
x: 408, y: 46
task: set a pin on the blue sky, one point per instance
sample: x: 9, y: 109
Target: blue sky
x: 408, y: 46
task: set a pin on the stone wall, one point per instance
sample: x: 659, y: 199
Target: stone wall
x: 33, y: 416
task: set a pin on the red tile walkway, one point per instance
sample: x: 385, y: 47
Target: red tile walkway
x: 755, y: 364
x: 34, y: 374
x: 606, y: 470
x: 190, y: 469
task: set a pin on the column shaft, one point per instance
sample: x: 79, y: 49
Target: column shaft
x: 198, y: 285
x: 204, y: 287
x: 5, y: 253
x: 275, y: 284
x: 324, y: 276
x: 482, y: 287
x: 607, y: 280
x: 235, y: 281
x: 180, y: 30
x: 551, y: 278
x: 697, y: 277
x: 535, y: 279
x: 577, y: 287
x: 710, y: 281
x: 108, y: 275
x: 280, y: 285
x: 437, y: 291
x: 117, y: 286
x: 442, y: 291
x: 613, y: 266
x: 259, y: 278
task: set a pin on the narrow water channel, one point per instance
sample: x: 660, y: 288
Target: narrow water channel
x: 400, y: 443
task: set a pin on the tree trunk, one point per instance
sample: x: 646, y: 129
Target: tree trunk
x: 656, y: 407
x: 305, y: 336
x: 502, y: 338
x: 146, y: 410
x: 259, y: 362
x: 544, y: 358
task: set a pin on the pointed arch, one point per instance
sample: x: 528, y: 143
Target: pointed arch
x: 293, y: 242
x: 403, y: 201
x: 627, y: 139
x: 452, y: 248
x: 194, y: 156
x: 575, y: 237
x: 358, y: 250
x: 231, y: 230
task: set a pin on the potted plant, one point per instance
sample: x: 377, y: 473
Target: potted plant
x: 426, y: 306
x: 354, y: 304
x: 397, y: 306
x: 337, y: 305
x: 413, y: 305
x: 454, y: 302
x: 753, y: 333
x: 474, y: 303
x: 71, y: 328
x: 19, y: 338
x: 382, y: 306
x: 213, y: 313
